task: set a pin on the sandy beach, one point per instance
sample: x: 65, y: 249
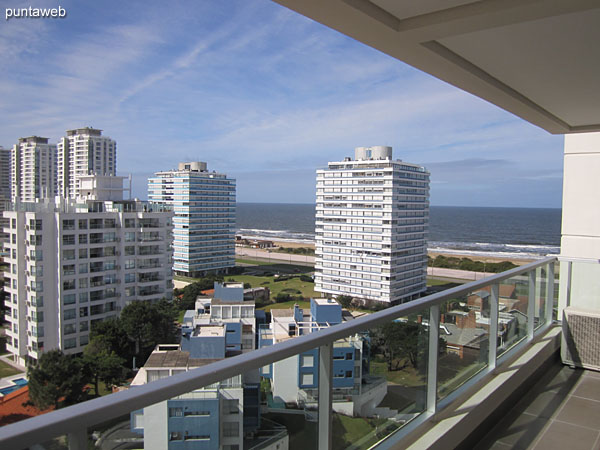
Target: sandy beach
x: 433, y: 254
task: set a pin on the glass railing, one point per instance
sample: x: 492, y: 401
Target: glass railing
x: 354, y: 385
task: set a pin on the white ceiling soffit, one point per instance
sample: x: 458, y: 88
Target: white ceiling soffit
x: 539, y: 59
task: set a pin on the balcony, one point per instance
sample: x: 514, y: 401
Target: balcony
x: 458, y: 377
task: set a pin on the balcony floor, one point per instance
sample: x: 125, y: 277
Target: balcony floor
x: 561, y: 411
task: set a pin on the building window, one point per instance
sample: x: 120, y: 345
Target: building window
x: 83, y: 224
x: 307, y: 379
x: 175, y: 436
x: 130, y: 236
x: 83, y: 340
x: 83, y: 253
x: 83, y: 326
x: 129, y: 250
x: 230, y: 406
x: 129, y: 277
x: 129, y: 223
x: 69, y: 299
x: 68, y: 239
x: 69, y: 255
x: 83, y: 283
x: 83, y: 311
x: 68, y: 224
x: 130, y: 263
x: 307, y: 360
x: 69, y: 269
x: 70, y: 343
x: 69, y: 314
x: 83, y: 268
x: 83, y: 297
x: 175, y: 412
x: 83, y: 238
x: 231, y: 429
x: 69, y: 328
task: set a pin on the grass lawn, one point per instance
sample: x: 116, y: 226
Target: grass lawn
x: 252, y: 261
x: 407, y: 376
x: 7, y: 370
x: 294, y: 286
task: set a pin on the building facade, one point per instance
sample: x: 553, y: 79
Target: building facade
x: 204, y: 223
x: 32, y: 169
x: 372, y: 219
x: 225, y: 415
x: 73, y: 262
x: 4, y: 188
x: 83, y: 151
x: 294, y: 380
x: 4, y: 174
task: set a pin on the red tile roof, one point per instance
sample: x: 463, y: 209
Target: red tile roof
x: 14, y: 407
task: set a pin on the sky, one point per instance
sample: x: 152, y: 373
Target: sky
x: 260, y: 93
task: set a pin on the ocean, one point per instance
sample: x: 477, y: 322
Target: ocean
x: 503, y: 232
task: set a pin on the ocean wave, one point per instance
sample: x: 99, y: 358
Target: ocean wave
x: 491, y: 249
x: 494, y: 249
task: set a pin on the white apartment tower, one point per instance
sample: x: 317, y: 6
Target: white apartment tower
x: 32, y: 169
x: 4, y: 175
x: 4, y: 187
x: 372, y: 218
x: 204, y: 222
x: 83, y: 151
x: 72, y: 262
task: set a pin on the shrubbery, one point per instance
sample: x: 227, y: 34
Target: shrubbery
x: 450, y: 262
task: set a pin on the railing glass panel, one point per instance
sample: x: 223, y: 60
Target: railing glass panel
x: 463, y: 339
x: 328, y: 386
x: 512, y: 311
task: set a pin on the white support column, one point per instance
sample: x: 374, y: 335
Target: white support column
x: 531, y: 305
x: 580, y: 221
x: 325, y: 396
x: 434, y: 335
x: 78, y: 440
x: 549, y: 292
x: 493, y: 337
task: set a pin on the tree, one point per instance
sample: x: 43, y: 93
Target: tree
x: 56, y: 377
x: 344, y: 300
x: 402, y: 342
x: 115, y: 338
x: 186, y: 297
x: 103, y: 364
x: 137, y: 320
x: 165, y: 325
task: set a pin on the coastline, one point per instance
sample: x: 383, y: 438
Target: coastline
x: 518, y: 260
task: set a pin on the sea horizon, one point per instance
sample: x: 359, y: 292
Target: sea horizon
x: 508, y: 232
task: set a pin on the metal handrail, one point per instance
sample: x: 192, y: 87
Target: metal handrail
x: 84, y: 415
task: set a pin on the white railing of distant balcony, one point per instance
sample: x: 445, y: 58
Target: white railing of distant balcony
x: 535, y: 281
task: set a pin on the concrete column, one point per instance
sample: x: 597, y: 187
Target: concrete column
x: 581, y: 221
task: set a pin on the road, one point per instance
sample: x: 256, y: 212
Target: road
x: 242, y: 252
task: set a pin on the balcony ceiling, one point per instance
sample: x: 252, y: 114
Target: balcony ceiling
x: 539, y: 59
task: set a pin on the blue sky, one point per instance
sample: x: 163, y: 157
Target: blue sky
x: 260, y: 93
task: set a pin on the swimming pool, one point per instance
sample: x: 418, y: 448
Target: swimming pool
x: 18, y: 383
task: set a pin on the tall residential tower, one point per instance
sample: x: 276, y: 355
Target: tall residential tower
x: 33, y: 169
x: 72, y: 262
x: 83, y: 151
x: 204, y: 222
x: 372, y: 221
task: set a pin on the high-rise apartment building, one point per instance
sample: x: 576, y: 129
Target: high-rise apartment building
x: 204, y: 222
x: 4, y: 175
x: 72, y: 262
x: 33, y: 169
x: 83, y: 151
x: 372, y: 219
